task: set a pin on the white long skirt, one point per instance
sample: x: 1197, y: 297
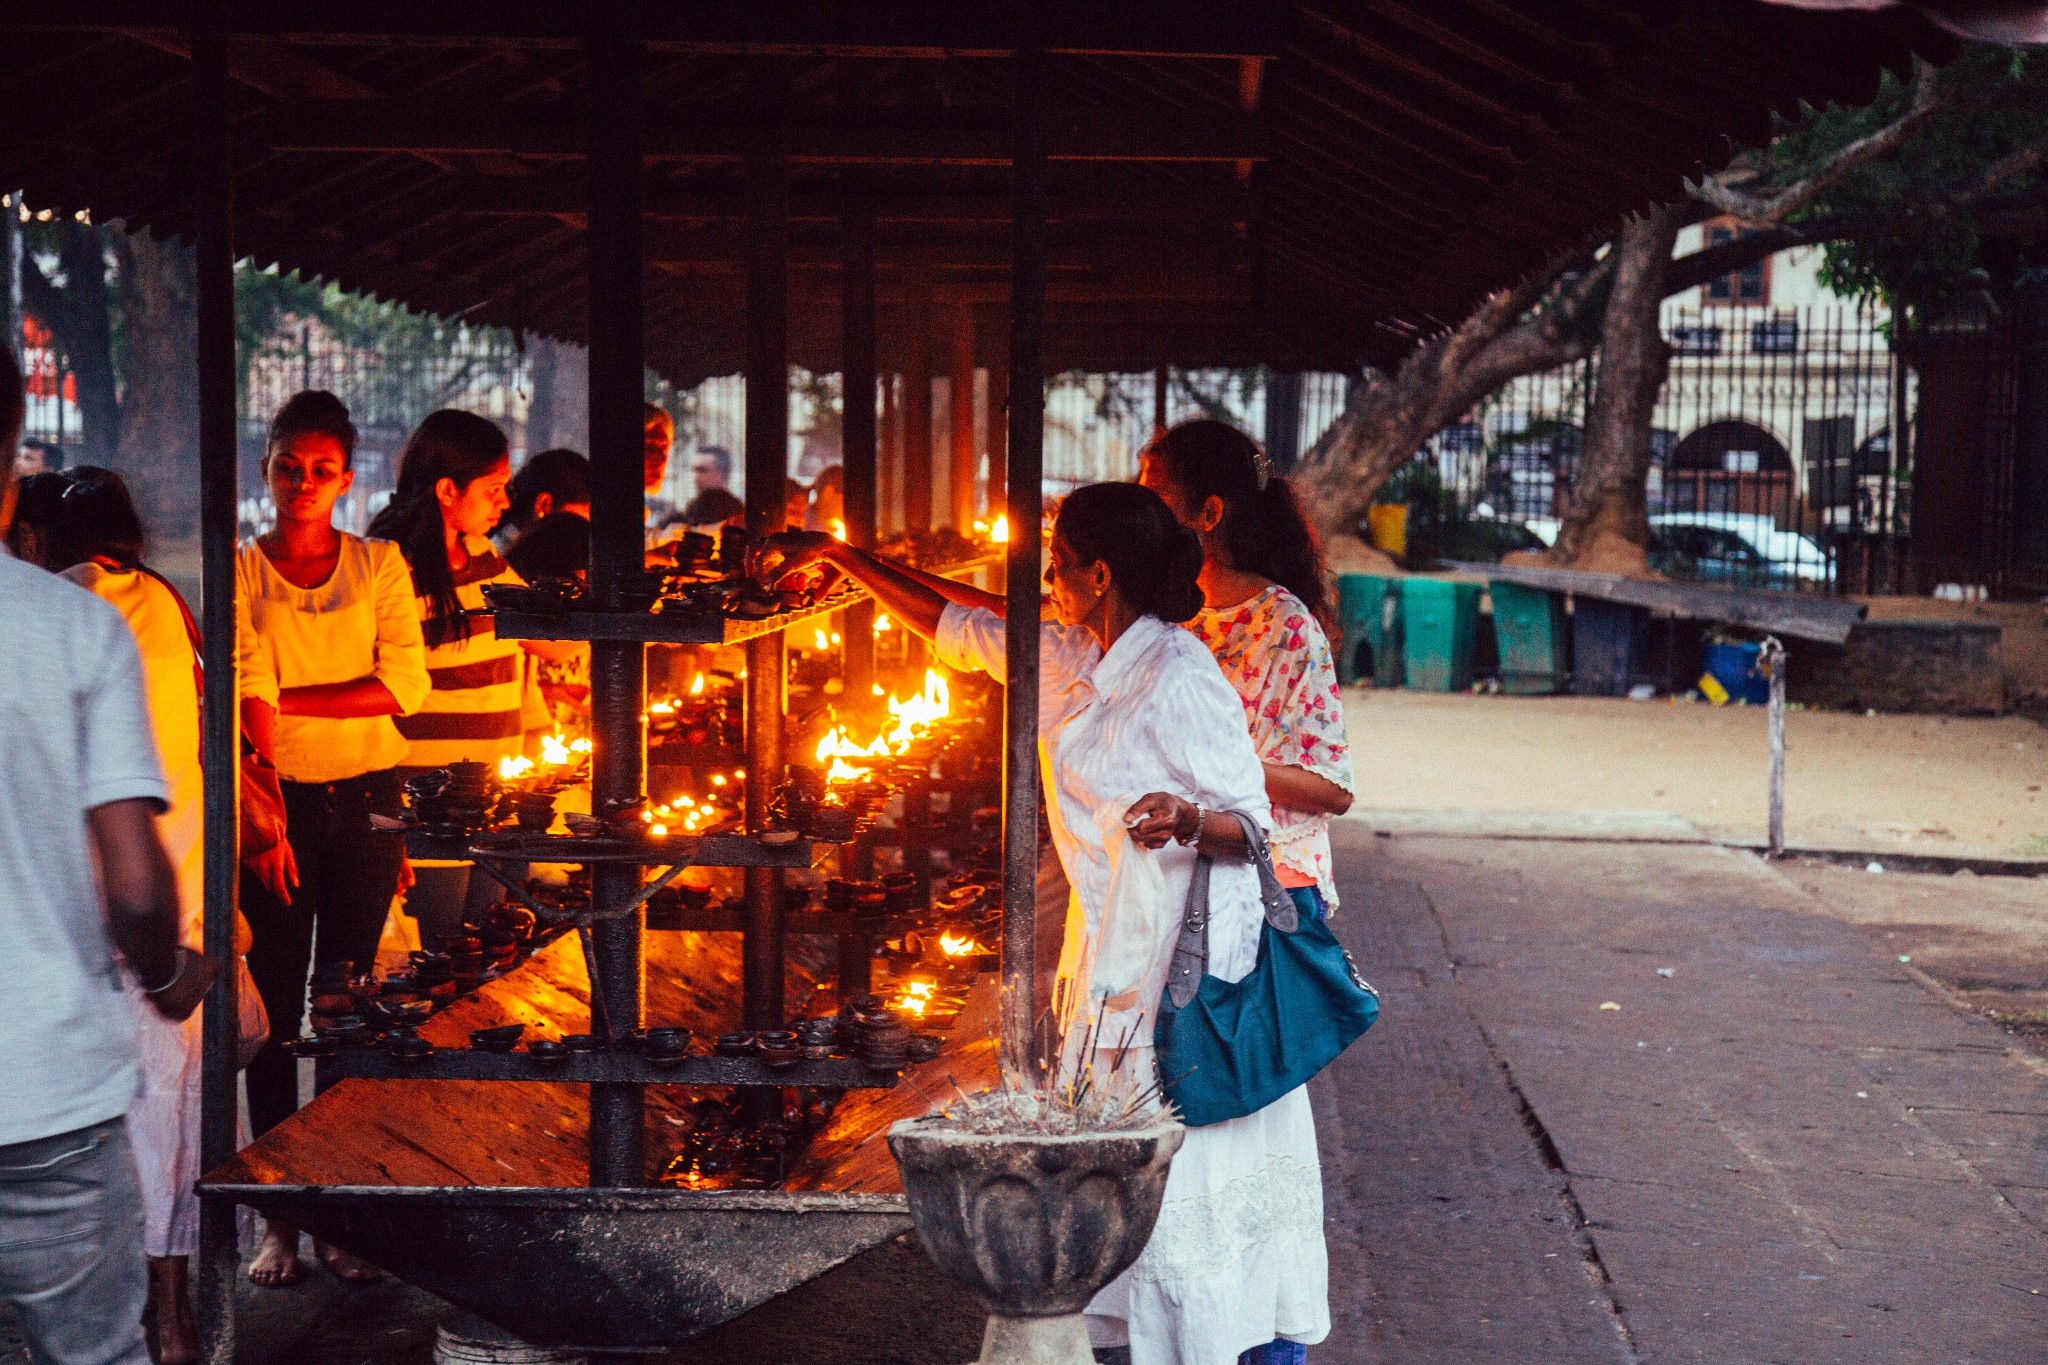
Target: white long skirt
x: 163, y: 1125
x: 1237, y: 1257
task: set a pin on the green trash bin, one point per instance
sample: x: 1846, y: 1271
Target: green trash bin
x: 1530, y: 625
x: 1439, y: 619
x: 1369, y: 615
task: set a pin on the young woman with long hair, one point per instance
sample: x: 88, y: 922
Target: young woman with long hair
x: 329, y: 655
x: 1264, y: 602
x: 452, y: 477
x: 1130, y: 702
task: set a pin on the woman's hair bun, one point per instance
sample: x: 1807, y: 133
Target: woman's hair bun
x: 312, y: 412
x: 1153, y: 560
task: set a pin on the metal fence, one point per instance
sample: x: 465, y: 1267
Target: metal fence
x: 1773, y: 460
x: 1095, y: 424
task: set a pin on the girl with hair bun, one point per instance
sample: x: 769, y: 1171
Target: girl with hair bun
x: 1131, y: 703
x: 1264, y: 603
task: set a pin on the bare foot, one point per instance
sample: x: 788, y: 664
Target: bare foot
x: 344, y: 1266
x: 277, y: 1262
x: 170, y: 1312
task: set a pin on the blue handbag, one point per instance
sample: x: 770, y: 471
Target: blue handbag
x: 1230, y: 1048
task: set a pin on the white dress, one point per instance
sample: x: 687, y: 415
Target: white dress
x: 163, y: 1122
x: 1237, y: 1258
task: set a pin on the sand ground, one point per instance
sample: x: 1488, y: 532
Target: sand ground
x: 1960, y: 786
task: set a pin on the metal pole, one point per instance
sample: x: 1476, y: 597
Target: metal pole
x: 11, y: 245
x: 1773, y: 660
x: 618, y: 669
x: 857, y: 386
x: 961, y: 404
x: 917, y: 400
x: 1024, y: 478
x: 219, y: 1262
x: 767, y: 467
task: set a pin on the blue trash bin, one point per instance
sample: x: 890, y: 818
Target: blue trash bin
x: 1738, y: 667
x: 1369, y: 618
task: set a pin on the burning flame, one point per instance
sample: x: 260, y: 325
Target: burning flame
x: 838, y: 529
x: 512, y: 767
x: 919, y: 713
x: 819, y: 642
x: 882, y: 622
x: 952, y: 945
x: 697, y: 686
x: 914, y: 717
x: 917, y: 995
x: 661, y: 708
x: 1000, y: 532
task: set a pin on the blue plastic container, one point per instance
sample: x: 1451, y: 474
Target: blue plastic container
x: 1738, y: 668
x: 1439, y: 620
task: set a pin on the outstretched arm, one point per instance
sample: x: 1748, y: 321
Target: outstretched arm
x: 916, y: 599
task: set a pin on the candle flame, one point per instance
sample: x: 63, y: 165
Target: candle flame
x: 553, y: 750
x: 953, y: 945
x: 697, y: 686
x: 661, y: 708
x: 838, y: 529
x: 819, y: 642
x: 1000, y: 532
x: 512, y: 767
x: 658, y: 831
x: 882, y: 622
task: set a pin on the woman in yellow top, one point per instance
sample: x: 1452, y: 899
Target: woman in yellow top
x: 328, y: 653
x: 452, y: 475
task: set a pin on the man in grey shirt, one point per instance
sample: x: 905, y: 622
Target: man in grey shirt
x: 79, y: 786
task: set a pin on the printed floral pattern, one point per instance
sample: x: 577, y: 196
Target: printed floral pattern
x: 1277, y: 659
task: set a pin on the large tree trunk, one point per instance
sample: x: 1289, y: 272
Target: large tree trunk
x: 1538, y: 326
x: 78, y: 319
x: 159, y: 451
x: 1606, y: 527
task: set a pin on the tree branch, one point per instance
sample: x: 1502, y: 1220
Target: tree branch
x: 1926, y: 101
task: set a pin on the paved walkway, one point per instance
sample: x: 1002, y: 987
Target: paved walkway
x: 1784, y: 1149
x: 1780, y: 1147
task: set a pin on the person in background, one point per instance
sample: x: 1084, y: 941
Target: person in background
x: 711, y: 469
x: 88, y: 912
x: 96, y: 541
x: 38, y: 457
x: 827, y: 511
x: 556, y: 546
x: 37, y: 500
x: 1264, y: 599
x: 657, y: 438
x: 553, y: 481
x: 796, y: 502
x: 452, y: 476
x: 329, y: 656
x: 713, y: 508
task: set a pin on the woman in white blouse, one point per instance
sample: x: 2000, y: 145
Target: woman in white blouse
x: 330, y: 652
x: 1130, y: 703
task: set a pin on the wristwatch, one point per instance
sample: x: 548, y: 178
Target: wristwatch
x: 1194, y: 840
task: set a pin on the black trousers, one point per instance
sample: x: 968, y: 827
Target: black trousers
x: 348, y: 874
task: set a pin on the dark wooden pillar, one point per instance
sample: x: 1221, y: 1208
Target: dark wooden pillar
x: 1024, y: 478
x: 965, y: 457
x: 618, y: 669
x: 857, y: 387
x: 889, y: 481
x: 767, y: 470
x: 1283, y: 419
x: 917, y: 400
x: 219, y: 1265
x: 858, y: 454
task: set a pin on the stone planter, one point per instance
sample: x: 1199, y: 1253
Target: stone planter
x: 1035, y: 1226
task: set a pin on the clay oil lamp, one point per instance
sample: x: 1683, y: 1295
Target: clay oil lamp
x: 583, y: 1042
x: 547, y: 1052
x: 736, y: 1044
x: 777, y: 1048
x: 503, y: 1038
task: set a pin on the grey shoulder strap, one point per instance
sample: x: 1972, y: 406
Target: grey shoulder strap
x: 1191, y: 949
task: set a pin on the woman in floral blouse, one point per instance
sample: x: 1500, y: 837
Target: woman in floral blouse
x: 1263, y: 600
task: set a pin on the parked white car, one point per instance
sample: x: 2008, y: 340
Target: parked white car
x: 1783, y: 554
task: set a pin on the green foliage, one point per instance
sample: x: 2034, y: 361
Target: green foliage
x: 1920, y: 241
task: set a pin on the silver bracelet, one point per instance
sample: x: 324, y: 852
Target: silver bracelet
x: 1194, y: 841
x: 180, y: 955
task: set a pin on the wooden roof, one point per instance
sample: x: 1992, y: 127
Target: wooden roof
x: 1312, y: 185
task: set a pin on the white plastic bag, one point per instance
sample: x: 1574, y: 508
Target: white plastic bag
x: 1135, y: 923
